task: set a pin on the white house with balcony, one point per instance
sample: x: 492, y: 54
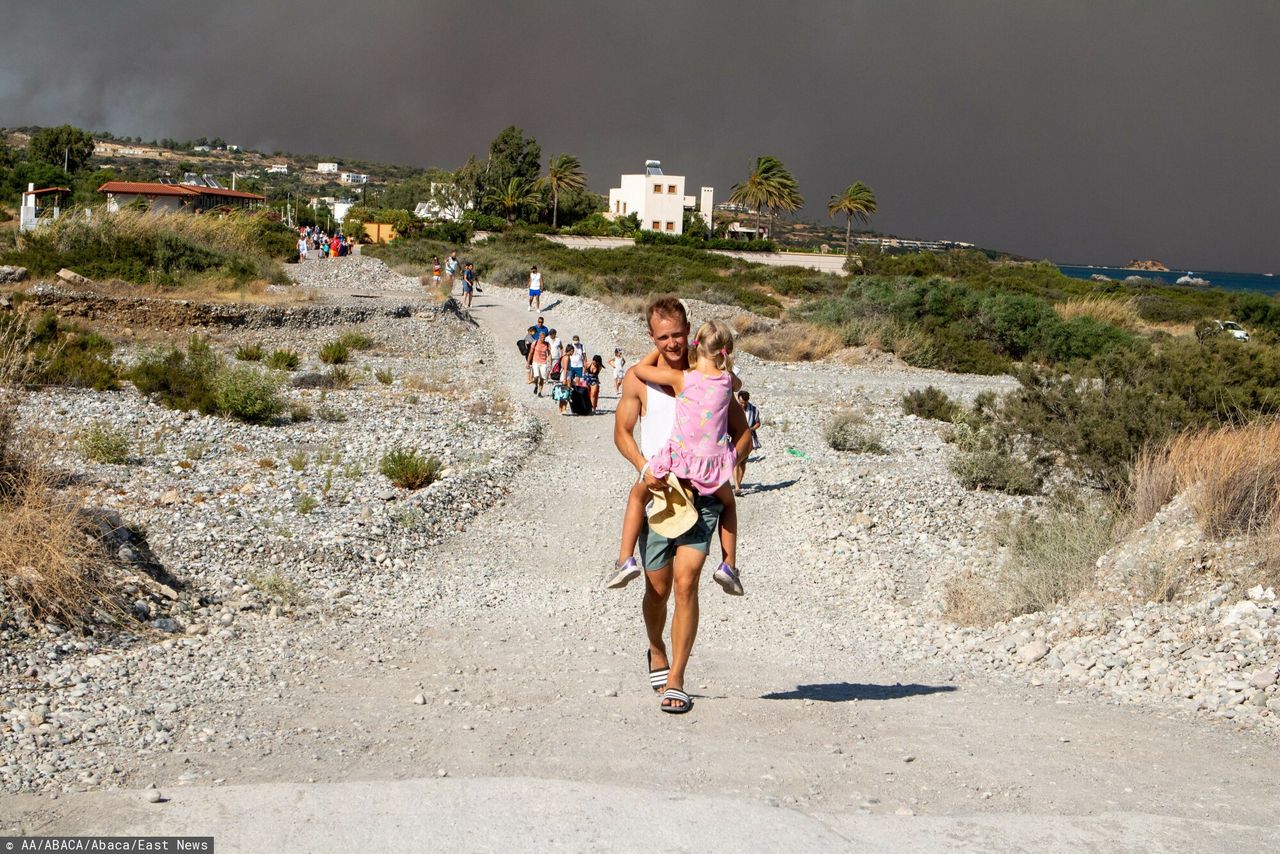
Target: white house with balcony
x: 278, y: 169
x: 658, y: 200
x: 327, y: 168
x: 353, y: 178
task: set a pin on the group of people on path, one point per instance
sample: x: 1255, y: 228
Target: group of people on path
x: 312, y: 238
x: 697, y: 428
x: 456, y: 270
x: 573, y: 377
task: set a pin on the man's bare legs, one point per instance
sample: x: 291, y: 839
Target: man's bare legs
x: 682, y: 575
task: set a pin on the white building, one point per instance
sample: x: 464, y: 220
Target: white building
x: 278, y: 169
x: 327, y: 168
x: 353, y: 178
x: 40, y: 206
x: 658, y: 200
x: 441, y: 206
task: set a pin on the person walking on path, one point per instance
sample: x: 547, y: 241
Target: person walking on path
x: 539, y: 354
x: 535, y: 289
x: 452, y: 266
x: 752, y: 415
x: 436, y: 272
x: 468, y: 284
x: 619, y: 365
x: 670, y: 564
x: 302, y: 249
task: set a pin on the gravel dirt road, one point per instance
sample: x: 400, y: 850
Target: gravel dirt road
x: 510, y: 709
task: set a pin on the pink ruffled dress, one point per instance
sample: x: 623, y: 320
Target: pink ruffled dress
x: 700, y: 450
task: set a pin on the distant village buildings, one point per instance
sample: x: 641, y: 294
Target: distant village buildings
x: 327, y: 168
x: 657, y: 200
x: 353, y: 178
x: 278, y: 169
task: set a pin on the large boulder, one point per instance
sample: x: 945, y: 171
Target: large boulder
x: 71, y: 277
x: 12, y: 275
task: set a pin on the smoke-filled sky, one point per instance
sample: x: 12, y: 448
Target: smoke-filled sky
x: 1089, y: 131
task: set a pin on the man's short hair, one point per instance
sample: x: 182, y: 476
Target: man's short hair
x: 667, y: 306
x: 553, y: 332
x: 744, y: 394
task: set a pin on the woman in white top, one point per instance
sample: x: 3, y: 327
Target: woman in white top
x: 619, y: 365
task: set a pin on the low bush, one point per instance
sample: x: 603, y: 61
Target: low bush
x: 178, y: 379
x: 408, y: 469
x: 283, y: 360
x: 987, y: 468
x: 299, y: 412
x: 58, y: 353
x: 249, y: 353
x: 335, y: 353
x: 792, y: 342
x: 848, y: 432
x: 331, y: 415
x: 104, y: 442
x: 1122, y: 314
x: 658, y: 238
x: 384, y: 376
x: 248, y: 394
x: 930, y: 402
x: 1052, y: 558
x: 357, y: 341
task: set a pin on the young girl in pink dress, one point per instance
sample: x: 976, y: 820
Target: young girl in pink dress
x: 700, y: 451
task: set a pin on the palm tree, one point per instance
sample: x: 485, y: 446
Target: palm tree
x: 518, y: 195
x: 769, y: 186
x: 564, y: 172
x: 858, y: 201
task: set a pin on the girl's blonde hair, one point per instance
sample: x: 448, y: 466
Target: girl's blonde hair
x: 715, y: 341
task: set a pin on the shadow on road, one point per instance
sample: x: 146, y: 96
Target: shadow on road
x: 843, y: 692
x: 769, y: 487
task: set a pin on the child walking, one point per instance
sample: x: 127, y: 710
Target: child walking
x: 700, y: 451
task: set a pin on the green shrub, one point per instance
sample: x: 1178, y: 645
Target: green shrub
x: 408, y: 469
x: 335, y: 353
x: 1053, y: 558
x: 58, y: 353
x: 177, y: 379
x: 299, y: 412
x: 930, y: 402
x: 249, y: 353
x: 307, y: 503
x: 331, y: 415
x: 848, y: 432
x: 384, y: 376
x: 103, y: 442
x: 356, y: 341
x: 283, y: 360
x: 987, y: 468
x: 248, y: 394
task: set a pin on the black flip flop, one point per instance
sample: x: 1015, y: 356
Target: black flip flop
x: 685, y: 701
x: 657, y: 678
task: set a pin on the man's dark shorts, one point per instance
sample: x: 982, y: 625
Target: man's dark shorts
x: 656, y: 551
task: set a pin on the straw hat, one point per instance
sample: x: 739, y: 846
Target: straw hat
x: 672, y: 512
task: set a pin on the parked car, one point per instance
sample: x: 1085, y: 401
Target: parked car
x: 1222, y: 327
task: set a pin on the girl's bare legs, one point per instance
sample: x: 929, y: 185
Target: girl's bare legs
x: 728, y: 524
x: 626, y: 570
x: 633, y: 520
x: 726, y: 575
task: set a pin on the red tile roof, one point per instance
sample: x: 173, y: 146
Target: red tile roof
x: 145, y: 189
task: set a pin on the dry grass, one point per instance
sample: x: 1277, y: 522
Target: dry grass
x: 1235, y: 471
x: 1235, y: 475
x: 1050, y: 559
x: 438, y: 384
x: 792, y: 342
x: 1121, y: 313
x: 1238, y: 472
x: 626, y: 303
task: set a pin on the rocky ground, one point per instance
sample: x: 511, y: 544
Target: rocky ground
x: 461, y: 631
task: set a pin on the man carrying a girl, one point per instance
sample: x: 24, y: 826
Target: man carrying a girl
x: 674, y: 563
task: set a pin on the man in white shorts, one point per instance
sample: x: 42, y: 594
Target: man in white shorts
x: 535, y: 289
x: 669, y: 563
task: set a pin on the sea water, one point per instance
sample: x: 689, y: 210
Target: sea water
x: 1260, y: 283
